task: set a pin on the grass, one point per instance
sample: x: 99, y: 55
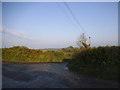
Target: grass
x: 22, y: 54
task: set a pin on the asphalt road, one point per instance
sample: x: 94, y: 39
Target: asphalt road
x: 47, y: 75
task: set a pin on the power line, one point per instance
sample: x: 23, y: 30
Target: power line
x: 77, y: 21
x: 66, y: 15
x: 75, y: 18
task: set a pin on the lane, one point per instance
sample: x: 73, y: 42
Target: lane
x: 46, y: 75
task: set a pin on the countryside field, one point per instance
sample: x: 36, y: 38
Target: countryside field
x: 100, y: 62
x: 59, y: 44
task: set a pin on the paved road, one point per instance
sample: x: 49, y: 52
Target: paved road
x: 46, y: 75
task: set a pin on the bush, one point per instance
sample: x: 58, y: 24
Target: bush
x: 24, y: 54
x: 101, y: 62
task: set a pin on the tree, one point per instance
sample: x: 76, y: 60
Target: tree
x: 68, y: 49
x: 82, y: 41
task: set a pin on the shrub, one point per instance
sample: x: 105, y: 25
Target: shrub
x: 101, y: 62
x: 24, y: 54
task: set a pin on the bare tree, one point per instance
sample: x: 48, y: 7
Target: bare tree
x: 82, y: 41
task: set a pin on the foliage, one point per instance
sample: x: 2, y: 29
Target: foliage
x: 24, y: 54
x: 102, y: 62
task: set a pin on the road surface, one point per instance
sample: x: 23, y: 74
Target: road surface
x: 47, y: 75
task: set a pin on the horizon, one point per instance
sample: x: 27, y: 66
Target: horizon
x: 51, y: 25
x: 59, y: 48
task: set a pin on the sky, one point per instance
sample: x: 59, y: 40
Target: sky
x: 51, y: 24
x: 0, y: 13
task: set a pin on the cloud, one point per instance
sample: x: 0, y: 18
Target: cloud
x: 11, y: 37
x: 15, y: 33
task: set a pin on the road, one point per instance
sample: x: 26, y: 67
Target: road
x: 47, y: 75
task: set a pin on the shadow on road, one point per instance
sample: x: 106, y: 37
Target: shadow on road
x: 46, y: 75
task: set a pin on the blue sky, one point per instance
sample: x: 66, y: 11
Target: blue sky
x: 0, y: 13
x: 51, y: 25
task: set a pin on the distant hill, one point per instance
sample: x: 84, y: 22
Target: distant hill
x: 56, y: 49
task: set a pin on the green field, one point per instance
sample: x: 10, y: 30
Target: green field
x: 23, y: 54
